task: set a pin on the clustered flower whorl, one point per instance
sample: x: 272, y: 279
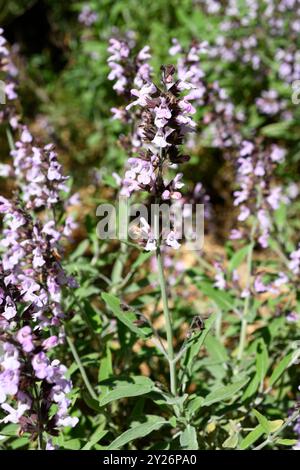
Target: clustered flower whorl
x: 256, y: 194
x: 31, y: 281
x: 165, y: 119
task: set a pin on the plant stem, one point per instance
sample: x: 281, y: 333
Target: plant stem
x: 243, y: 332
x: 168, y: 322
x: 162, y: 283
x: 39, y: 424
x: 81, y: 368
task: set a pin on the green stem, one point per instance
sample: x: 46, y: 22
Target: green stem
x: 168, y: 322
x: 162, y: 283
x: 243, y: 333
x: 39, y: 423
x: 117, y: 271
x: 81, y: 369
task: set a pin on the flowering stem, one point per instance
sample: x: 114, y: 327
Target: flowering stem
x: 243, y: 332
x: 167, y: 315
x: 271, y: 438
x: 163, y: 286
x: 39, y: 423
x: 81, y: 368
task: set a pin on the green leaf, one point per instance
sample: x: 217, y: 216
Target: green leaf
x: 283, y: 365
x: 222, y: 299
x: 252, y: 312
x: 275, y: 425
x: 238, y: 258
x: 251, y: 388
x: 286, y: 442
x: 215, y: 349
x: 188, y: 438
x: 132, y: 388
x: 93, y: 317
x: 232, y: 441
x: 20, y: 442
x: 279, y: 129
x: 262, y: 421
x: 86, y: 291
x: 72, y: 444
x: 173, y: 421
x: 106, y: 368
x: 280, y: 217
x: 10, y: 430
x: 91, y: 402
x: 195, y: 342
x: 109, y: 180
x: 262, y: 360
x: 224, y: 393
x: 152, y: 423
x: 194, y: 404
x: 96, y: 437
x: 82, y: 247
x: 252, y: 437
x: 141, y: 260
x: 127, y: 318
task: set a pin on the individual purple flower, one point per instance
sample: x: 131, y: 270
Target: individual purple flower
x: 294, y: 263
x: 87, y: 16
x: 292, y: 317
x: 50, y: 342
x: 10, y: 310
x: 220, y: 281
x: 13, y: 415
x: 24, y: 337
x: 142, y: 95
x: 147, y: 235
x: 40, y: 364
x: 171, y: 240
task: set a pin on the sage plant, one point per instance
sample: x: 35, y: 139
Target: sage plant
x: 165, y: 121
x: 34, y: 386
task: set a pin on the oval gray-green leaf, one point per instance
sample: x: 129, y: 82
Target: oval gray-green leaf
x: 152, y: 423
x: 132, y: 388
x: 224, y: 393
x: 188, y: 438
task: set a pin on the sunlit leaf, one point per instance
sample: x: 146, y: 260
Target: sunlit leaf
x: 252, y: 437
x: 224, y: 393
x: 128, y: 318
x: 134, y: 387
x: 188, y: 438
x: 152, y: 423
